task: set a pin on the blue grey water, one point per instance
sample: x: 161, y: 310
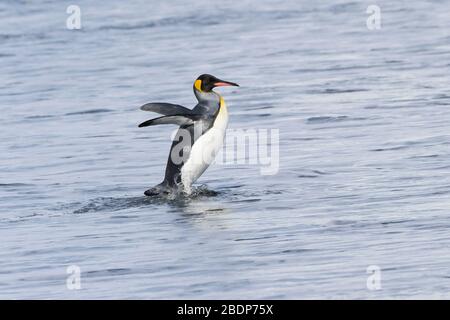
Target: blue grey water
x: 364, y: 176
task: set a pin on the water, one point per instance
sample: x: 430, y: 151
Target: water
x: 364, y: 150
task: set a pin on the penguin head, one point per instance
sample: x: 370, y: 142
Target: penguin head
x: 207, y: 82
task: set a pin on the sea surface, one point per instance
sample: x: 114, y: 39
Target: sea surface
x: 360, y: 205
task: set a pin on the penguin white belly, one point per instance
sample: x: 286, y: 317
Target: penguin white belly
x: 204, y: 150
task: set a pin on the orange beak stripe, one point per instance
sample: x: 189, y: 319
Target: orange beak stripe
x: 225, y: 84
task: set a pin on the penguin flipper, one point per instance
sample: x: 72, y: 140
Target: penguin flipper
x: 179, y: 119
x: 167, y: 109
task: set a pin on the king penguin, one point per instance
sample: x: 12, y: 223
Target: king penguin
x: 199, y: 137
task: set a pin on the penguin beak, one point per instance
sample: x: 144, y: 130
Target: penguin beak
x: 221, y: 83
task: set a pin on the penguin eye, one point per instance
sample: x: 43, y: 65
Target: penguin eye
x: 207, y: 84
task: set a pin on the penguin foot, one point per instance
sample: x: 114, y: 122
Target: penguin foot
x: 152, y: 192
x: 159, y: 190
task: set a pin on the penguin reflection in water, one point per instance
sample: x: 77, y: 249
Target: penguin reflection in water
x: 199, y: 137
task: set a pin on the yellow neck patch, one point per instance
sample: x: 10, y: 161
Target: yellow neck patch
x: 198, y: 85
x: 222, y: 117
